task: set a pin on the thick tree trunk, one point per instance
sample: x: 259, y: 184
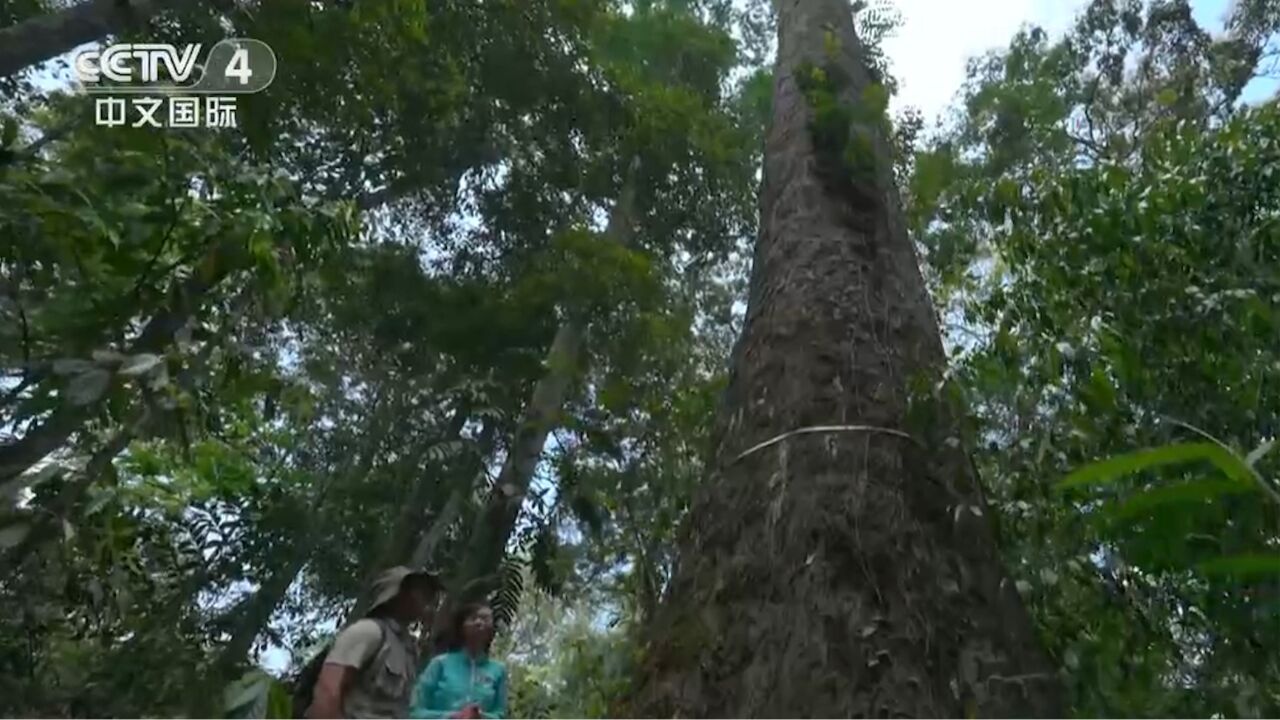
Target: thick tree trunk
x: 48, y: 36
x: 847, y: 570
x: 493, y: 528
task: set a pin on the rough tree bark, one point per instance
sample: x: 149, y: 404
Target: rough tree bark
x: 847, y: 570
x: 48, y: 36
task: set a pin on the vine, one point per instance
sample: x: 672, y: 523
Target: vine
x: 844, y: 132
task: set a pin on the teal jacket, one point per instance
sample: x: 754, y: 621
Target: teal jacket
x: 453, y: 680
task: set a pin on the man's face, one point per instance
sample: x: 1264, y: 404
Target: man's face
x: 421, y: 597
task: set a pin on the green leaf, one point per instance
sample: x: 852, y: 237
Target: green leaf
x: 1113, y: 468
x: 107, y: 356
x: 1196, y: 490
x: 279, y: 702
x: 8, y: 132
x: 139, y: 364
x: 1243, y: 566
x: 250, y: 696
x: 13, y: 534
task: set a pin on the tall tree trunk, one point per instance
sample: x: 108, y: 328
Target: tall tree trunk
x: 429, y: 539
x: 48, y: 36
x: 410, y: 542
x: 838, y: 560
x: 253, y: 613
x: 497, y: 520
x: 408, y: 525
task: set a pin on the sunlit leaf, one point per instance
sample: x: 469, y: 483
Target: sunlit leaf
x: 257, y: 695
x: 139, y: 364
x: 1191, y: 491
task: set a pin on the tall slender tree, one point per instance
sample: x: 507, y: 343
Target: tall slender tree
x: 674, y: 141
x: 838, y: 561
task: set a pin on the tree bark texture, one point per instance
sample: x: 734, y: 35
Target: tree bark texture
x: 422, y: 500
x: 848, y: 570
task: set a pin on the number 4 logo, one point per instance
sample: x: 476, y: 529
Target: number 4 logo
x: 238, y: 68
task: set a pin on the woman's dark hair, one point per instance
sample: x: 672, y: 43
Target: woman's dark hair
x: 460, y: 617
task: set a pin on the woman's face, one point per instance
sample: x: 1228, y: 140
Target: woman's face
x: 478, y: 627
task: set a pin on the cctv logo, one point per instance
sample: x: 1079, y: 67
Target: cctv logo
x: 114, y: 63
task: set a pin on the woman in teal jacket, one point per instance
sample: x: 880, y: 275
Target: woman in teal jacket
x: 464, y: 682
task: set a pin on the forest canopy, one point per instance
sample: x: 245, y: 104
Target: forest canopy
x: 733, y: 385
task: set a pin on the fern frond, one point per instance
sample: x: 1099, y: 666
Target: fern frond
x: 506, y: 601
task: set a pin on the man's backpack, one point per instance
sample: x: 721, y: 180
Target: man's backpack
x: 304, y: 683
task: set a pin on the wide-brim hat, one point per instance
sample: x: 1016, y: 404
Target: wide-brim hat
x: 389, y: 583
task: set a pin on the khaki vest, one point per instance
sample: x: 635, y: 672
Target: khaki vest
x: 384, y: 686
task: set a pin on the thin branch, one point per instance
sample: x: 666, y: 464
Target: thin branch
x: 26, y: 329
x: 175, y: 213
x: 45, y: 521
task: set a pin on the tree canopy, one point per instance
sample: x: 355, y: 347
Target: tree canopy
x: 470, y: 285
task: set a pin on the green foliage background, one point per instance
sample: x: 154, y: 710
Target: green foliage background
x: 241, y: 370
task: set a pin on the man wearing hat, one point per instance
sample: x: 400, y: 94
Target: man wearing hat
x: 370, y: 670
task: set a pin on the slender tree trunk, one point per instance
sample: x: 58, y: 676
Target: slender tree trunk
x: 408, y: 524
x: 497, y: 520
x: 411, y: 543
x: 253, y: 613
x: 430, y: 539
x: 847, y: 570
x: 48, y: 36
